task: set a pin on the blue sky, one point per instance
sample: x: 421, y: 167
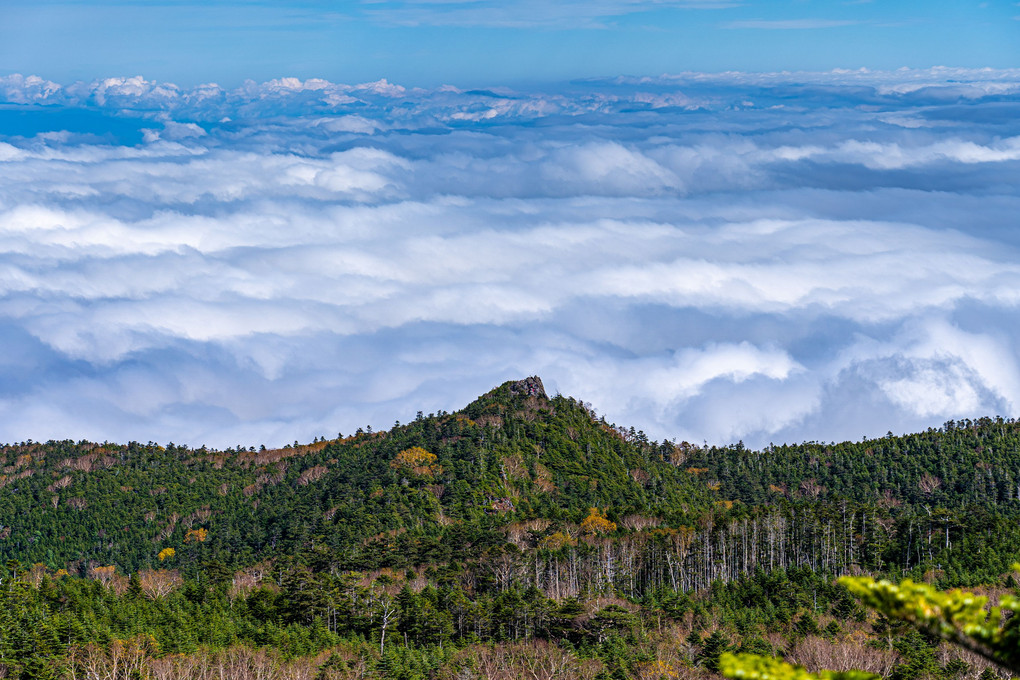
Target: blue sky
x: 483, y: 42
x: 244, y: 223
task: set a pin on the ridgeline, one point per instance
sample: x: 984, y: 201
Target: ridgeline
x: 588, y: 527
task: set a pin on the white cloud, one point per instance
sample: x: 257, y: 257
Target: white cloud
x: 339, y: 255
x: 938, y: 389
x: 894, y: 156
x: 788, y: 24
x: 18, y: 89
x: 524, y: 13
x: 949, y: 368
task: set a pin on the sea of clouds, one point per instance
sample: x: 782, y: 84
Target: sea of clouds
x: 765, y: 257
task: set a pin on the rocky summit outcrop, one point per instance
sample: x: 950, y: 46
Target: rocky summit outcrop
x: 529, y: 387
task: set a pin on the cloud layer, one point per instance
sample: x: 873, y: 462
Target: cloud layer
x: 763, y: 257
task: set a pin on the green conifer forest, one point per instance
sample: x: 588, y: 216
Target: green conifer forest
x: 520, y: 537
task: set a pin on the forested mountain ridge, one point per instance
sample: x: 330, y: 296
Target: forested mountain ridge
x: 520, y: 536
x: 970, y: 461
x: 514, y: 468
x: 513, y: 455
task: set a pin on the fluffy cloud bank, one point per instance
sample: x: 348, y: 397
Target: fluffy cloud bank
x: 763, y: 257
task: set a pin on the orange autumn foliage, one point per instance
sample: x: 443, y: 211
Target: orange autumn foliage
x: 416, y: 460
x: 196, y: 535
x: 596, y: 523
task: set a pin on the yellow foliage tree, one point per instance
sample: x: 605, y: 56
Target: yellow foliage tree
x: 557, y: 541
x: 196, y: 535
x: 416, y: 460
x: 166, y: 553
x: 596, y: 523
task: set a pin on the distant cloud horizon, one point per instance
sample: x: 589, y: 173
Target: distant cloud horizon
x: 756, y: 256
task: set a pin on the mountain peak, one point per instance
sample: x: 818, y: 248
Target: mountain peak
x: 529, y: 387
x: 512, y: 391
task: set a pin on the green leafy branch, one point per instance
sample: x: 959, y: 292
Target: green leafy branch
x: 753, y: 667
x: 958, y: 616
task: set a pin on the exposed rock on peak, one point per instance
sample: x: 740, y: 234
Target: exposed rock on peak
x: 529, y: 387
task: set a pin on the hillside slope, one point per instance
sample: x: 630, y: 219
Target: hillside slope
x: 521, y: 531
x: 519, y: 470
x: 513, y: 455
